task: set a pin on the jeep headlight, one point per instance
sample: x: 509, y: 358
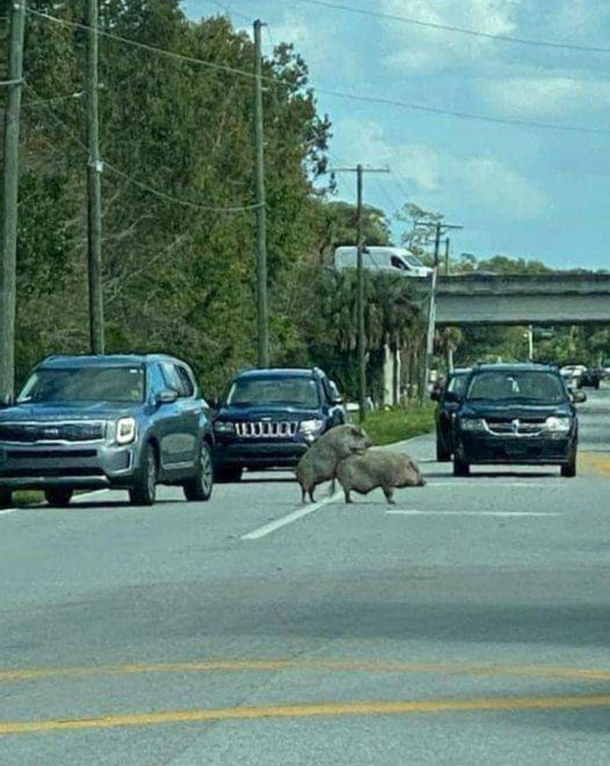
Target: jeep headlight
x: 224, y: 427
x: 472, y: 425
x: 125, y: 430
x: 558, y: 424
x: 312, y: 426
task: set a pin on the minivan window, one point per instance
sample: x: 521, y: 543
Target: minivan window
x: 517, y: 385
x: 78, y: 384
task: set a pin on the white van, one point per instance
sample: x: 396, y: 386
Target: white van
x: 394, y: 259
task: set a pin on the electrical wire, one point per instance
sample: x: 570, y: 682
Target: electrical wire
x: 141, y: 184
x: 154, y: 49
x: 176, y: 200
x: 340, y: 94
x: 456, y: 29
x: 463, y: 115
x: 54, y: 99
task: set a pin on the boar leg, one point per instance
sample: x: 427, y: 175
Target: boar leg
x: 389, y: 495
x: 311, y: 497
x: 332, y: 488
x: 348, y: 499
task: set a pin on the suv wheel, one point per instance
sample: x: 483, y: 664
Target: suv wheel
x: 6, y: 498
x: 460, y: 468
x: 568, y: 470
x: 144, y: 489
x: 200, y: 486
x: 442, y: 456
x: 58, y: 497
x: 228, y: 475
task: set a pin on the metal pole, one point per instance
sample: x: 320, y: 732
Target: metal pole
x: 8, y: 255
x: 447, y: 256
x: 94, y: 187
x: 431, y: 313
x: 530, y: 342
x: 261, y: 213
x: 360, y: 301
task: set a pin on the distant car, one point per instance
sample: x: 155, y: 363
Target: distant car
x: 445, y: 411
x: 395, y: 260
x: 519, y: 414
x: 121, y: 421
x: 269, y: 418
x: 592, y: 378
x: 572, y: 374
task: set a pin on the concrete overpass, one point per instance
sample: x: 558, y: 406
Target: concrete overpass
x: 541, y: 299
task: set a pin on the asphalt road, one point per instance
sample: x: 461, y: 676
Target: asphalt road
x: 469, y: 624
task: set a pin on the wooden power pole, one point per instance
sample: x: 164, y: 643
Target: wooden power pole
x: 10, y: 182
x: 261, y: 212
x: 94, y: 186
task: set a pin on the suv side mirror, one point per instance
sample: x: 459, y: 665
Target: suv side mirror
x: 336, y: 400
x: 166, y: 396
x: 578, y: 397
x: 213, y: 402
x: 451, y: 396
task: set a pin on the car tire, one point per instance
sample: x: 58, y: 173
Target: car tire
x: 228, y: 475
x: 144, y: 488
x: 58, y: 497
x: 442, y: 455
x: 568, y: 470
x: 6, y: 498
x: 460, y: 468
x: 199, y: 488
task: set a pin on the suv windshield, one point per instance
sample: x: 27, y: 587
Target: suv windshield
x: 106, y: 384
x: 517, y: 385
x: 302, y: 392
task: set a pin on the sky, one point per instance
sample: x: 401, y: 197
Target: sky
x: 521, y: 191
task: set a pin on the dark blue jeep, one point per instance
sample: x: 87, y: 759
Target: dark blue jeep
x: 124, y: 421
x: 269, y: 418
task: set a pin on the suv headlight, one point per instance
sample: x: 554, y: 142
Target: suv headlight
x: 558, y: 424
x: 125, y: 430
x: 311, y: 426
x: 224, y: 427
x: 472, y: 425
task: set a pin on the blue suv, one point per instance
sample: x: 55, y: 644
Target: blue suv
x: 269, y: 418
x: 124, y: 421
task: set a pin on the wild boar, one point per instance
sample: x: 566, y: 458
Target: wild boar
x: 319, y: 463
x: 378, y: 468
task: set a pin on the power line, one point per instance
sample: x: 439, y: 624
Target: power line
x: 176, y: 200
x: 340, y: 94
x: 141, y: 184
x: 230, y: 12
x: 462, y: 115
x: 459, y: 30
x: 153, y: 48
x: 54, y: 99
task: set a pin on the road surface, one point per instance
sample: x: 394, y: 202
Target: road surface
x: 469, y: 625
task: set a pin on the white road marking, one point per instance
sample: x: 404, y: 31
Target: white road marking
x: 489, y: 483
x: 290, y: 518
x: 9, y: 510
x: 472, y: 513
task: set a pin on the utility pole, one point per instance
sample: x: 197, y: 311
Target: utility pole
x: 530, y: 343
x: 8, y: 255
x: 94, y: 186
x: 441, y: 228
x: 360, y: 170
x: 261, y: 212
x: 447, y: 243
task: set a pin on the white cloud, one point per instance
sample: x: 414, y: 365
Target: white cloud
x: 537, y: 96
x: 420, y: 49
x: 492, y: 185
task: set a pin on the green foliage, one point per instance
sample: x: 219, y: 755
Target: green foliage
x: 398, y: 424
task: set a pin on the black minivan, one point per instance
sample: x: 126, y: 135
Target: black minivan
x: 520, y: 414
x: 117, y: 421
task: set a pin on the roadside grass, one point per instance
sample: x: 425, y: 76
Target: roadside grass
x: 398, y: 423
x: 27, y: 497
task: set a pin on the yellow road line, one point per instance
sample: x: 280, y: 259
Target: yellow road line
x: 321, y: 665
x: 594, y: 463
x: 317, y: 710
